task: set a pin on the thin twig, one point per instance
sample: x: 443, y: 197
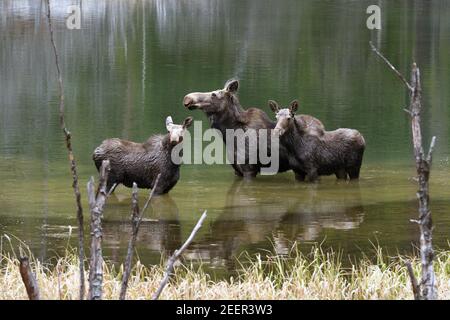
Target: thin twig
x: 136, y: 218
x: 399, y: 75
x: 73, y: 165
x: 415, y: 286
x: 112, y: 189
x: 151, y: 195
x: 28, y: 279
x: 431, y: 149
x: 58, y: 270
x: 176, y: 255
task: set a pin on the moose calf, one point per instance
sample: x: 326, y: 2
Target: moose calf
x: 338, y: 152
x: 142, y: 162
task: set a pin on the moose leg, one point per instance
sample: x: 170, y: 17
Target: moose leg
x: 300, y: 175
x: 249, y: 171
x: 237, y: 171
x: 341, y: 174
x: 248, y: 175
x: 312, y: 175
x: 161, y: 188
x: 353, y: 172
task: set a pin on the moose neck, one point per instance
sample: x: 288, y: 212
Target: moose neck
x: 294, y: 134
x: 168, y: 147
x: 228, y: 118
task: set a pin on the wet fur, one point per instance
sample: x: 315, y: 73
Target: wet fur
x: 338, y: 152
x: 233, y: 116
x: 139, y: 162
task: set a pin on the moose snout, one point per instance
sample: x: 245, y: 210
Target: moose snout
x: 188, y: 101
x: 277, y: 132
x: 177, y: 140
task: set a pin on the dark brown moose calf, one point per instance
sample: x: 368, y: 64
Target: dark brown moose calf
x: 338, y: 152
x: 142, y: 162
x: 224, y: 112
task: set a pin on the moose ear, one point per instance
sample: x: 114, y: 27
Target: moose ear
x: 187, y: 122
x: 169, y: 123
x: 274, y: 106
x: 293, y: 106
x: 232, y: 86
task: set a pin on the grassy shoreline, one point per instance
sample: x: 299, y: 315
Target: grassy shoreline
x: 318, y: 275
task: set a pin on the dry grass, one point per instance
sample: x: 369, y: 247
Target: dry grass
x: 318, y: 275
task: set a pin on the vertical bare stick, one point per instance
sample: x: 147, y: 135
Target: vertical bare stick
x: 28, y: 279
x: 136, y: 218
x: 58, y: 270
x: 132, y: 242
x: 73, y: 165
x: 96, y: 205
x: 426, y: 290
x: 176, y: 255
x: 423, y: 166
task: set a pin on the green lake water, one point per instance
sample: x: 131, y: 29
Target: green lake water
x: 130, y: 66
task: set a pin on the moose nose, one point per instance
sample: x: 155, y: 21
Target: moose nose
x: 187, y: 101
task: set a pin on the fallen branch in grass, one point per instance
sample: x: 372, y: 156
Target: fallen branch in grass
x: 28, y: 279
x: 97, y: 202
x: 73, y: 165
x: 136, y: 218
x: 176, y: 255
x: 426, y: 289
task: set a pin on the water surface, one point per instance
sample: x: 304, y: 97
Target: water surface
x: 130, y: 66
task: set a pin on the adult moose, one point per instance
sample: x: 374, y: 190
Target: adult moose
x: 338, y: 152
x: 224, y: 112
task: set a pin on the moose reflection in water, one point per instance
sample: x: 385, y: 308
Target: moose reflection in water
x: 159, y: 231
x: 250, y: 217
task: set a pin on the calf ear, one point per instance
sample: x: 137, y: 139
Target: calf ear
x: 232, y: 86
x: 187, y: 122
x: 274, y: 106
x: 169, y: 123
x: 293, y: 106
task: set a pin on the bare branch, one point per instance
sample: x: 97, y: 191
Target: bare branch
x: 28, y: 279
x: 96, y: 204
x: 176, y: 255
x: 415, y: 286
x: 427, y: 287
x: 399, y: 75
x: 73, y: 165
x: 431, y: 149
x: 151, y: 195
x: 408, y: 112
x: 112, y: 189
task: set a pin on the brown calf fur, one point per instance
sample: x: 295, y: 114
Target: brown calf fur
x: 142, y: 162
x: 338, y: 152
